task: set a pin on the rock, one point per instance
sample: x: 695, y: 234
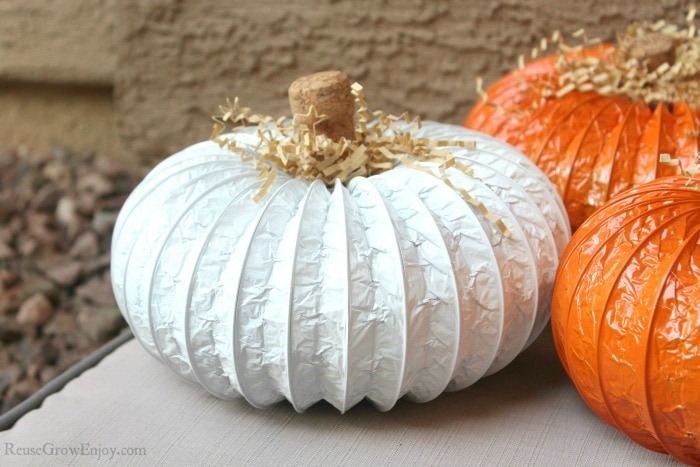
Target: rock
x: 10, y: 332
x: 103, y: 221
x: 9, y: 300
x: 56, y: 172
x: 85, y: 203
x: 96, y: 291
x: 98, y: 264
x: 8, y: 278
x: 99, y: 323
x: 95, y: 183
x: 48, y: 353
x: 35, y: 311
x: 46, y: 198
x: 62, y: 323
x: 48, y: 373
x: 65, y: 210
x: 33, y: 284
x: 6, y: 252
x: 27, y: 246
x: 107, y: 167
x: 40, y: 229
x: 57, y: 212
x: 9, y: 203
x: 85, y: 246
x: 62, y: 270
x: 20, y: 391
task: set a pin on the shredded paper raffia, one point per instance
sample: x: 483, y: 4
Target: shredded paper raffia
x: 690, y: 172
x: 378, y: 145
x: 613, y: 71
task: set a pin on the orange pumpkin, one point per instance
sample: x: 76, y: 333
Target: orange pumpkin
x: 590, y: 117
x: 626, y: 315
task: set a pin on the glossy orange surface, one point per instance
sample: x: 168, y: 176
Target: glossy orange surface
x: 626, y: 315
x: 591, y: 146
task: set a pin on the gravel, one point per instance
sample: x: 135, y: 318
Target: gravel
x: 57, y: 211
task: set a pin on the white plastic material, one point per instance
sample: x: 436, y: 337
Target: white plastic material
x: 390, y: 286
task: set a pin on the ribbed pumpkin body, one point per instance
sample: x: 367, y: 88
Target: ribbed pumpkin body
x: 392, y: 285
x: 626, y: 315
x: 591, y: 146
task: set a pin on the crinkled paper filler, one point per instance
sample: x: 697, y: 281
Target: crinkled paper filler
x: 378, y: 146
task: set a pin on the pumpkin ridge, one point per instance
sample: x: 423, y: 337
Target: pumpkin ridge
x: 602, y: 172
x: 561, y: 318
x: 547, y: 113
x: 290, y: 371
x: 620, y: 181
x: 546, y: 140
x: 123, y: 291
x: 644, y: 434
x: 163, y: 338
x: 453, y: 283
x: 368, y: 187
x: 577, y: 154
x: 691, y: 241
x: 247, y: 391
x: 617, y: 208
x: 454, y: 313
x: 191, y: 356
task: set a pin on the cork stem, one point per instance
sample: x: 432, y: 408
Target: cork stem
x: 652, y: 48
x: 330, y: 94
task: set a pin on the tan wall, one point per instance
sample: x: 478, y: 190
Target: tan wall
x: 57, y: 63
x: 173, y: 61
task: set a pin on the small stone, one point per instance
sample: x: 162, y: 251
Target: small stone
x: 35, y: 311
x: 6, y: 234
x: 9, y: 300
x: 85, y: 246
x: 62, y: 323
x: 27, y: 246
x: 107, y: 167
x: 85, y: 203
x: 20, y: 391
x: 56, y: 172
x: 96, y: 184
x: 98, y: 264
x: 6, y: 252
x: 48, y: 353
x: 103, y: 221
x: 8, y: 278
x: 39, y: 227
x: 65, y: 210
x: 10, y: 332
x: 96, y: 291
x: 32, y: 370
x: 46, y: 198
x: 62, y: 271
x: 9, y: 203
x: 100, y: 323
x: 33, y: 284
x: 48, y: 373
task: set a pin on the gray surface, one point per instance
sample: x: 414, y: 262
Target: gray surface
x: 527, y: 414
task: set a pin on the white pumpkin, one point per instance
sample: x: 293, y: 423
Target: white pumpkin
x: 390, y: 286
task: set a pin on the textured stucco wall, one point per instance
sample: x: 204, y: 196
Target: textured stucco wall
x: 180, y: 59
x: 57, y: 62
x: 66, y: 41
x: 171, y: 63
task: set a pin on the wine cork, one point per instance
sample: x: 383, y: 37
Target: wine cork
x: 656, y: 48
x: 329, y: 92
